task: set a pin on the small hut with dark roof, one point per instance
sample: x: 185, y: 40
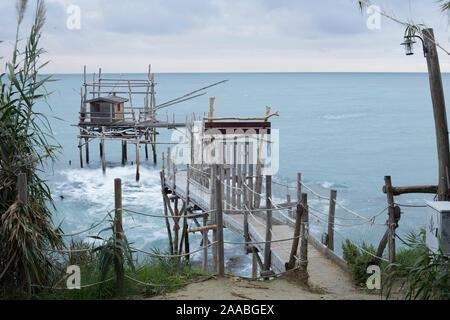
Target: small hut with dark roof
x: 107, y: 109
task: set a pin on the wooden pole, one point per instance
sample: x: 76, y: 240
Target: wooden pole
x: 219, y: 223
x: 124, y: 148
x: 304, y: 242
x: 211, y: 108
x: 391, y: 223
x: 169, y: 233
x: 146, y: 146
x: 188, y: 176
x: 239, y: 176
x: 331, y: 212
x: 103, y: 155
x: 249, y: 181
x: 234, y: 176
x: 297, y: 229
x: 81, y: 153
x: 205, y: 242
x: 86, y: 141
x: 118, y: 233
x: 212, y: 206
x: 439, y: 112
x: 155, y: 160
x: 267, y: 250
x: 138, y: 176
x: 254, y: 264
x: 290, y: 211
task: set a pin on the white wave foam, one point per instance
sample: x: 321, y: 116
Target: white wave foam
x: 343, y: 116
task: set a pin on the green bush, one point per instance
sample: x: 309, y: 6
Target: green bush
x: 358, y: 260
x: 420, y: 273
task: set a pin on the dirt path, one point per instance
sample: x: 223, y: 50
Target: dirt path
x: 241, y: 289
x: 327, y: 281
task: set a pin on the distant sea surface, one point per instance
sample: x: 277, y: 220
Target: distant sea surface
x: 342, y: 131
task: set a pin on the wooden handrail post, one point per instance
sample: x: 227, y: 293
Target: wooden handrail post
x: 298, y: 218
x: 219, y: 223
x: 267, y: 250
x: 118, y: 230
x: 254, y: 264
x: 290, y: 211
x: 304, y: 243
x: 187, y: 184
x: 205, y: 243
x: 331, y: 213
x: 391, y: 220
x: 212, y: 206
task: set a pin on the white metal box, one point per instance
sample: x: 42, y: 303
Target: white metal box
x: 438, y: 225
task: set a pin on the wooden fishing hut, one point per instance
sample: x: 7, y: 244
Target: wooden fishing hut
x: 125, y: 110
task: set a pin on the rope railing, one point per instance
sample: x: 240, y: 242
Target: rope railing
x: 173, y: 255
x: 168, y: 216
x: 154, y: 284
x: 410, y: 205
x: 356, y: 245
x: 81, y: 287
x: 371, y: 220
x: 262, y: 242
x: 89, y: 229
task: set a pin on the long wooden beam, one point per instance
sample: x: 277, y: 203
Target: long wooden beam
x: 412, y: 189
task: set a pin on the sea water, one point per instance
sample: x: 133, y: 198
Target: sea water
x: 342, y: 131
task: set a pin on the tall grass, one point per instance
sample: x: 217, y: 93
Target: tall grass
x: 421, y: 274
x: 26, y: 145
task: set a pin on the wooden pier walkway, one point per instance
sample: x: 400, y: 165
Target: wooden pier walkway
x: 324, y: 269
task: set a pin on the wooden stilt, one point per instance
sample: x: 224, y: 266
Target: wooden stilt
x: 86, y: 141
x: 81, y: 153
x: 138, y: 176
x: 124, y: 148
x: 205, y: 241
x: 103, y: 155
x: 186, y: 241
x: 169, y: 233
x: 154, y: 147
x: 146, y: 147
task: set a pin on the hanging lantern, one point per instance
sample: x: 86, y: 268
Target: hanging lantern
x: 409, y: 49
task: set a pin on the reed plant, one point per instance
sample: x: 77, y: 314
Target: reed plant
x: 420, y: 274
x: 26, y: 146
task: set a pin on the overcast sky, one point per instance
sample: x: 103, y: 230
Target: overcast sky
x: 228, y: 35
